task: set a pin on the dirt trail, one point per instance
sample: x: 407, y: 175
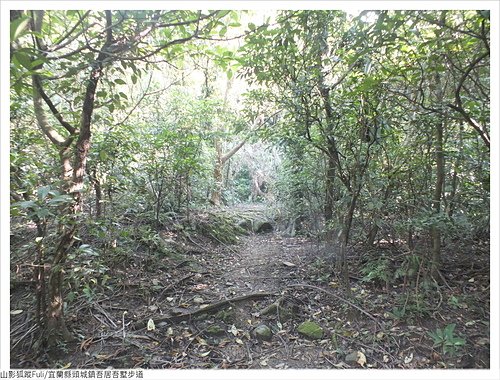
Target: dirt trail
x: 264, y: 262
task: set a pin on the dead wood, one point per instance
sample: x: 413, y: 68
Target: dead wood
x: 338, y: 297
x: 177, y: 283
x: 206, y: 310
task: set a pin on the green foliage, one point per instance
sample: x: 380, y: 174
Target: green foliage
x: 88, y: 272
x: 150, y: 239
x: 239, y: 190
x: 218, y: 227
x: 379, y: 270
x: 298, y: 183
x: 458, y: 302
x: 446, y: 340
x: 411, y: 306
x: 44, y: 206
x: 351, y: 103
x: 409, y: 267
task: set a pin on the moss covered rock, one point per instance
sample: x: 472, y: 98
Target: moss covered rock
x: 263, y: 332
x: 310, y: 330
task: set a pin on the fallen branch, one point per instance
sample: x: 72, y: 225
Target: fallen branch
x: 206, y: 310
x: 177, y: 283
x: 338, y: 297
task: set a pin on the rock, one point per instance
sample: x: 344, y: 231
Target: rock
x: 263, y: 227
x: 311, y: 330
x: 352, y: 357
x: 271, y: 309
x: 357, y: 357
x: 263, y: 332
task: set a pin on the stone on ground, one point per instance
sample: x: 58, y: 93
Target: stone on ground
x: 310, y: 330
x: 263, y: 332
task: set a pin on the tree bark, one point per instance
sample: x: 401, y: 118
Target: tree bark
x: 440, y: 168
x: 438, y: 190
x: 216, y: 196
x: 73, y: 162
x: 96, y: 183
x: 330, y: 191
x: 220, y: 161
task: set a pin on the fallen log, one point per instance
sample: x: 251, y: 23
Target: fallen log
x: 205, y: 310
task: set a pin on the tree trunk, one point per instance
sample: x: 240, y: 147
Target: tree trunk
x: 372, y: 234
x: 39, y: 274
x: 452, y: 201
x: 438, y: 190
x: 439, y: 127
x: 56, y: 325
x: 96, y: 183
x: 330, y: 197
x: 73, y: 178
x: 216, y: 196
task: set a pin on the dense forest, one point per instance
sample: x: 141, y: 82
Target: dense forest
x: 250, y: 189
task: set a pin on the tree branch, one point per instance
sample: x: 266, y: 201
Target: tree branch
x: 59, y: 43
x: 38, y: 85
x: 458, y: 106
x: 54, y: 136
x: 233, y: 151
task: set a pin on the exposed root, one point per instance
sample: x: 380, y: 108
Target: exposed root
x: 206, y: 310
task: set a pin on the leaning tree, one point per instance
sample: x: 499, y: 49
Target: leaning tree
x: 59, y: 59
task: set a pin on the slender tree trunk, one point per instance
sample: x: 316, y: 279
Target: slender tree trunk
x: 440, y: 165
x: 452, y: 201
x: 372, y: 234
x: 39, y: 276
x: 343, y: 265
x: 438, y: 190
x: 330, y: 196
x: 216, y: 196
x: 96, y: 183
x: 56, y: 324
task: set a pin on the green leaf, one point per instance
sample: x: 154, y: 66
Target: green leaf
x: 25, y: 204
x: 223, y: 13
x: 43, y: 213
x: 18, y: 27
x: 21, y: 59
x: 223, y: 31
x: 43, y: 192
x: 64, y: 198
x: 120, y: 81
x: 251, y: 26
